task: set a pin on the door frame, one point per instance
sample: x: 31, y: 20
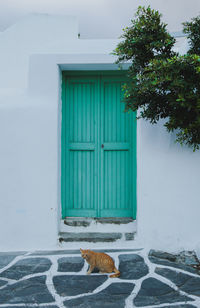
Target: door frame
x: 64, y: 149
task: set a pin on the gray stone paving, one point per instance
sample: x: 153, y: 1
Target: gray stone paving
x: 132, y: 266
x: 71, y: 285
x: 2, y: 283
x: 32, y: 290
x: 154, y: 292
x: 5, y: 259
x: 114, y: 294
x: 70, y: 264
x: 182, y: 261
x: 180, y: 306
x: 26, y: 267
x: 31, y: 306
x: 58, y: 279
x: 184, y: 282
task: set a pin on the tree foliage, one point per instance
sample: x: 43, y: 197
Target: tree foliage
x: 163, y: 84
x: 192, y: 29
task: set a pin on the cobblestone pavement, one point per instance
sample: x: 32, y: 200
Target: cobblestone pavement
x: 58, y: 279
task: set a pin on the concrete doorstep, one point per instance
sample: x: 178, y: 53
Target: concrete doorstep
x: 79, y: 229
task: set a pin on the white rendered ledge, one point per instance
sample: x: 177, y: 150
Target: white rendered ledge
x: 45, y: 70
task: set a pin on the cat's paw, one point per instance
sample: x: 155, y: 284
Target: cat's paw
x: 88, y: 273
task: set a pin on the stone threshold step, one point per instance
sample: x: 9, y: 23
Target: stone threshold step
x: 94, y: 237
x: 86, y: 221
x: 77, y: 251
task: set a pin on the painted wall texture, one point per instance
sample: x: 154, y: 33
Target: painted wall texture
x: 34, y: 53
x: 100, y: 18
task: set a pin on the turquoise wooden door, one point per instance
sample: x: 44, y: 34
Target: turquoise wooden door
x: 98, y: 148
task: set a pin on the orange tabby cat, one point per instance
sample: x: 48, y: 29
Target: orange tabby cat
x: 100, y: 260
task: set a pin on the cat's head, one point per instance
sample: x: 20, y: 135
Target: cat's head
x: 84, y: 254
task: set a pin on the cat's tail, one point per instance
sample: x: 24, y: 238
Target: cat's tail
x: 117, y: 273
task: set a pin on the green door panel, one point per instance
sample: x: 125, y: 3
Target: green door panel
x: 116, y: 174
x: 98, y: 165
x: 80, y: 142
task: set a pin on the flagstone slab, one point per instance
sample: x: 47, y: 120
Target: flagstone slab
x: 32, y: 291
x: 155, y: 292
x: 111, y: 297
x: 70, y: 285
x: 5, y: 260
x: 184, y: 282
x: 7, y: 257
x: 3, y: 283
x: 70, y: 264
x: 29, y: 306
x: 132, y: 266
x: 180, y: 306
x: 183, y: 261
x: 26, y: 267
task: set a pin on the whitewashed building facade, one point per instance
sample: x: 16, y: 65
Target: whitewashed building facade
x: 34, y: 52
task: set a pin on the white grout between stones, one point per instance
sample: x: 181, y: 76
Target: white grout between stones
x: 59, y: 300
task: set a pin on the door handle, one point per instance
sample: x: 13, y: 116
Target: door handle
x: 102, y: 146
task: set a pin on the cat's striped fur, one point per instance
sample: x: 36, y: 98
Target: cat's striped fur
x: 100, y: 260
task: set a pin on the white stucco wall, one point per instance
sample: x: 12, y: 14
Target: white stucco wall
x: 168, y: 191
x: 30, y: 117
x: 100, y: 18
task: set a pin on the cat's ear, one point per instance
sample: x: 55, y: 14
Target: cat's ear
x: 81, y: 250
